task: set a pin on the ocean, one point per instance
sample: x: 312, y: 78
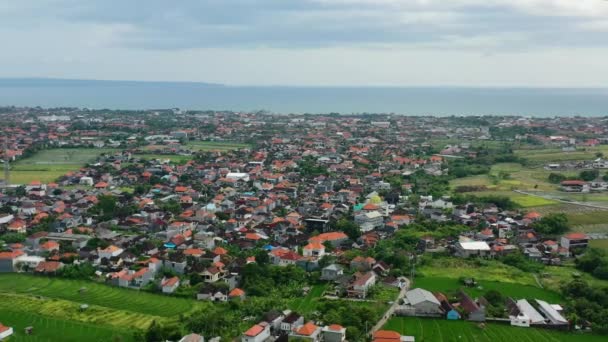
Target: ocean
x: 542, y: 102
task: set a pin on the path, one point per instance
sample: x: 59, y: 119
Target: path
x: 389, y: 313
x: 537, y: 280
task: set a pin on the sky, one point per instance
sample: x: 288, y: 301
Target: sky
x: 535, y: 43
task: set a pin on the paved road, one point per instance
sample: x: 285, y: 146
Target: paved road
x: 392, y: 308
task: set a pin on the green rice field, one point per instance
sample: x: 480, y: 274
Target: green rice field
x: 439, y: 330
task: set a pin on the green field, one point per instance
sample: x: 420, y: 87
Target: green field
x: 221, y: 146
x: 47, y: 328
x: 548, y: 155
x: 48, y: 165
x: 601, y: 244
x: 97, y: 294
x: 438, y: 330
x: 174, y: 158
x: 514, y: 290
x: 306, y: 305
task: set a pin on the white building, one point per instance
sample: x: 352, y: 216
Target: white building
x: 5, y: 332
x: 238, y: 176
x: 466, y: 249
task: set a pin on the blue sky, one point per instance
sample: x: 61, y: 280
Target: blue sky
x: 310, y: 42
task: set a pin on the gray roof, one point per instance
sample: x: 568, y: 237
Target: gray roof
x: 417, y: 296
x: 552, y: 314
x: 528, y: 310
x: 333, y: 267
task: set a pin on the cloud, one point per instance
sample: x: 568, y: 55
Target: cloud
x: 191, y: 24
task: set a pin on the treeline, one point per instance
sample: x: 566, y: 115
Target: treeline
x: 587, y: 305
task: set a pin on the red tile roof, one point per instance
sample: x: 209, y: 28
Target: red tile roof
x: 254, y: 330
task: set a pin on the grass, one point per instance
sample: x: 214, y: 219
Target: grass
x: 442, y: 274
x: 514, y: 290
x: 555, y: 276
x: 306, y: 305
x: 48, y: 165
x: 96, y: 294
x: 56, y: 329
x: 601, y: 244
x: 438, y: 330
x: 547, y: 155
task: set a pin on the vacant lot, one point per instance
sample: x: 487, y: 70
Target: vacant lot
x: 542, y: 156
x: 48, y: 165
x: 601, y: 244
x: 308, y: 304
x: 221, y: 146
x: 438, y: 330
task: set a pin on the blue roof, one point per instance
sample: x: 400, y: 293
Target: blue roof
x: 170, y: 245
x: 268, y: 247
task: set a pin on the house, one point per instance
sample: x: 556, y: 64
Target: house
x: 331, y: 272
x: 257, y: 333
x: 334, y: 333
x: 314, y: 249
x: 369, y: 220
x: 308, y: 332
x: 467, y: 249
x: 274, y: 318
x: 48, y: 267
x: 574, y: 186
x: 192, y: 338
x: 475, y: 312
x: 8, y: 260
x: 362, y: 263
x: 527, y: 310
x: 213, y: 294
x: 292, y: 321
x: 5, y: 332
x: 423, y: 302
x: 361, y: 285
x: 391, y: 336
x: 169, y: 285
x: 236, y: 293
x: 575, y: 240
x: 109, y: 252
x: 211, y: 274
x: 516, y: 316
x: 551, y: 313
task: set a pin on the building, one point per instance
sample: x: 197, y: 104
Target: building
x: 314, y: 249
x: 369, y: 220
x: 526, y: 309
x: 291, y: 321
x: 169, y: 285
x: 472, y: 248
x: 5, y: 332
x: 474, y: 311
x: 257, y: 333
x: 334, y: 333
x: 574, y: 186
x: 391, y: 336
x: 331, y: 272
x: 551, y: 313
x: 575, y: 240
x: 308, y: 332
x: 423, y: 302
x: 192, y: 338
x: 361, y: 285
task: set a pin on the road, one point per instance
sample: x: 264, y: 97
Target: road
x: 387, y: 315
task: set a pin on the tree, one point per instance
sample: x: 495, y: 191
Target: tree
x: 589, y: 175
x: 556, y: 178
x: 13, y: 237
x: 552, y: 224
x: 349, y: 228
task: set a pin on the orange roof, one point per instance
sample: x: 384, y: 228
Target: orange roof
x: 370, y: 206
x: 171, y: 281
x: 336, y: 327
x: 387, y: 334
x: 49, y: 245
x: 193, y: 251
x: 252, y: 236
x: 532, y: 215
x: 314, y: 245
x: 236, y: 292
x: 10, y: 255
x: 101, y: 185
x: 576, y: 236
x: 331, y: 236
x: 3, y: 328
x: 220, y: 251
x: 307, y: 329
x: 254, y: 330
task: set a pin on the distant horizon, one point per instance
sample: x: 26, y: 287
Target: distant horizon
x: 236, y: 85
x: 402, y: 100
